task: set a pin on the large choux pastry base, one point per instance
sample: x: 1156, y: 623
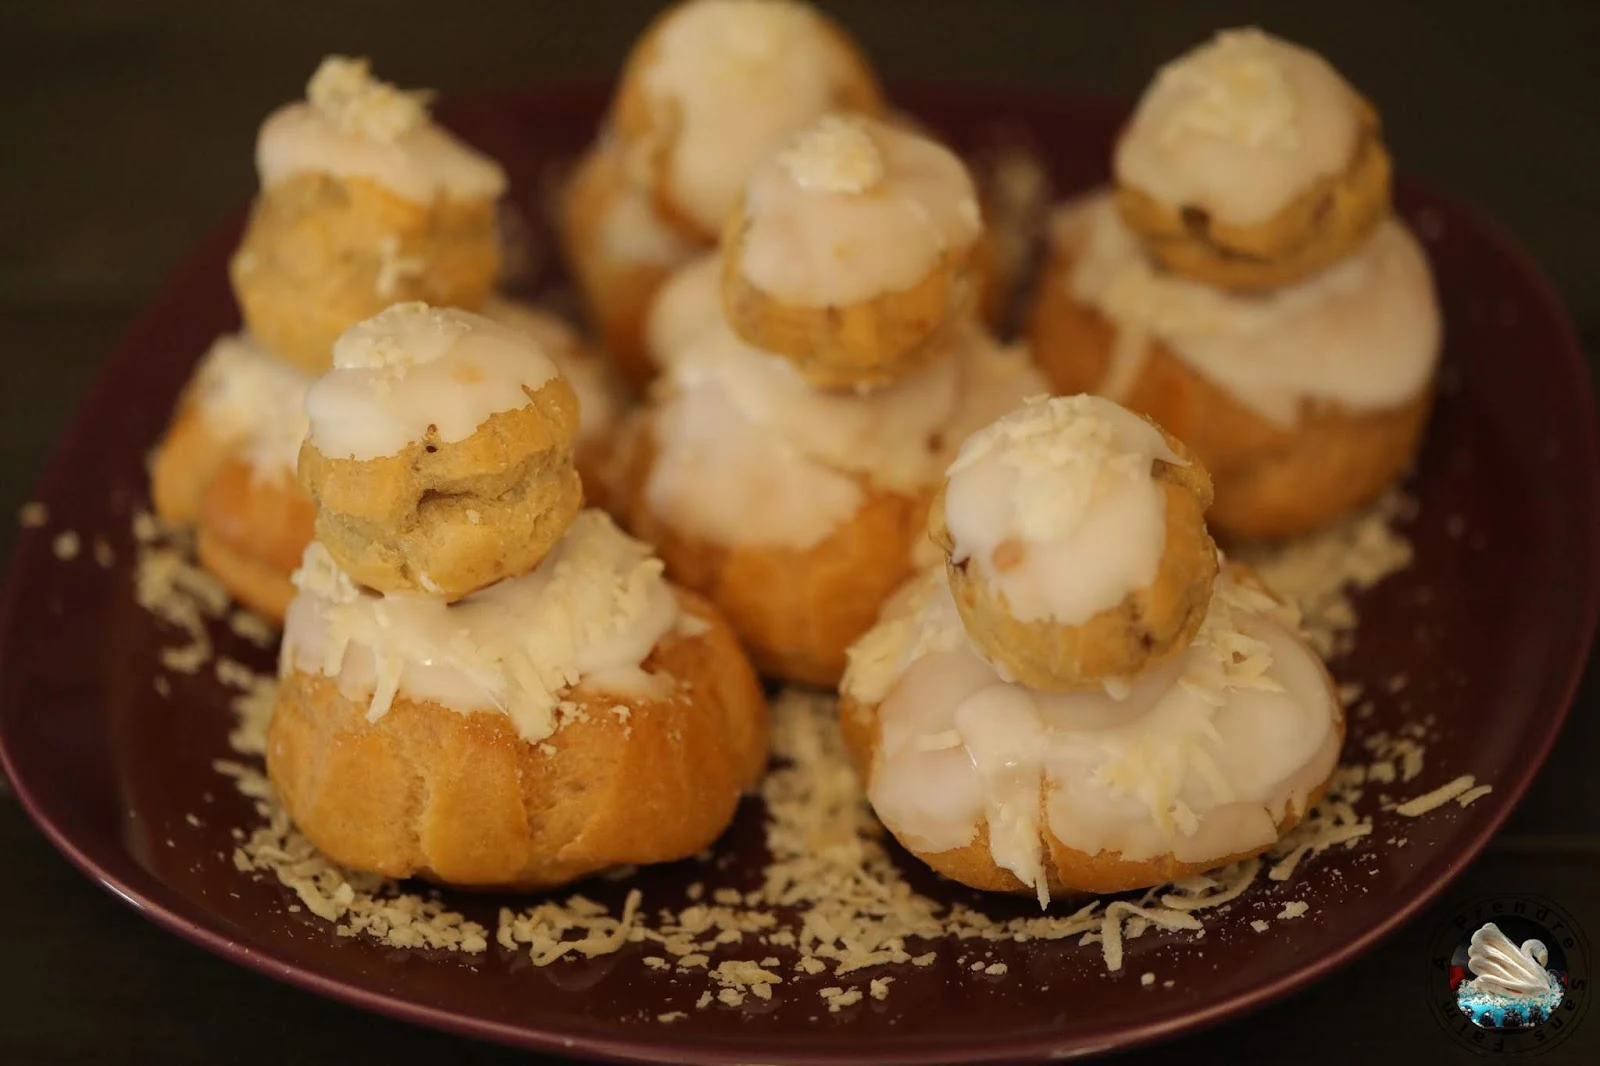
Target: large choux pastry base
x: 1322, y: 225
x: 1269, y: 481
x: 459, y: 798
x: 796, y: 611
x: 322, y: 253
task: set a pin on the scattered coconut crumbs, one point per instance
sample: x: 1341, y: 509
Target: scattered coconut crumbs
x: 32, y: 515
x: 1429, y: 801
x: 1147, y: 979
x: 1260, y: 926
x: 1294, y: 910
x: 66, y: 545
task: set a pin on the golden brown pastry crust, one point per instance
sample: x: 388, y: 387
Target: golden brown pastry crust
x: 1269, y: 481
x: 795, y: 611
x: 1150, y: 626
x: 185, y: 462
x: 857, y: 345
x: 1068, y: 870
x: 617, y: 290
x: 1326, y: 222
x: 463, y: 513
x: 649, y: 132
x: 253, y: 532
x: 460, y: 799
x: 312, y: 262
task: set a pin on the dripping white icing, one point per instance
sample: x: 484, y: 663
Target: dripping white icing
x: 1199, y: 759
x: 599, y: 398
x: 254, y: 402
x: 1239, y: 127
x: 588, y: 614
x: 853, y: 209
x: 1364, y: 333
x: 1055, y: 506
x: 352, y: 125
x: 686, y: 305
x: 413, y: 366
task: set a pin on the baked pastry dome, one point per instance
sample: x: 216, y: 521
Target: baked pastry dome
x: 1250, y: 163
x: 364, y: 202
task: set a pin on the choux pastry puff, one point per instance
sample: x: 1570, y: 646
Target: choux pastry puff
x: 226, y: 469
x: 1303, y: 403
x: 851, y: 250
x: 1250, y: 164
x: 708, y: 90
x: 364, y: 202
x: 1206, y: 754
x: 798, y: 509
x: 547, y: 715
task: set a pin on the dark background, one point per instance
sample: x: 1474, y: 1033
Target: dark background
x: 126, y: 131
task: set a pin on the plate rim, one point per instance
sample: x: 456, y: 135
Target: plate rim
x: 199, y: 927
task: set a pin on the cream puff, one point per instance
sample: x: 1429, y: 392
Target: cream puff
x: 853, y: 246
x: 1302, y: 403
x: 798, y: 511
x: 620, y: 249
x: 712, y: 86
x: 440, y: 452
x: 225, y: 467
x: 364, y: 202
x: 1203, y: 759
x: 1056, y: 482
x: 1251, y: 164
x: 688, y: 303
x: 581, y: 716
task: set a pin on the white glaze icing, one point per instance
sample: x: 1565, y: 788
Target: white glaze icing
x: 1055, y: 507
x: 632, y: 229
x: 1363, y: 334
x: 1199, y: 759
x: 413, y: 366
x: 253, y: 403
x: 854, y: 209
x: 352, y: 125
x: 748, y: 453
x: 599, y: 396
x: 687, y: 304
x: 587, y: 616
x: 735, y: 77
x: 1239, y: 127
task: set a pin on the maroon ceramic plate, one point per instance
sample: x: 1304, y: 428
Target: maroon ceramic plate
x: 1491, y: 626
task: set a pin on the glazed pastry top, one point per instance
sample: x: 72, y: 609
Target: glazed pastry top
x: 632, y: 229
x: 731, y: 78
x: 1364, y: 333
x: 413, y: 366
x: 852, y: 209
x: 352, y: 125
x: 737, y: 425
x: 1239, y: 127
x: 687, y: 304
x: 254, y: 402
x: 1199, y: 759
x: 599, y: 401
x: 1056, y: 506
x: 588, y: 615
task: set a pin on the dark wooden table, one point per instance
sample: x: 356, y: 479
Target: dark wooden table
x: 127, y: 131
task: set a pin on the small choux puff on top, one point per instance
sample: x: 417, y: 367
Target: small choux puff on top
x: 225, y: 468
x: 852, y: 247
x: 1033, y: 496
x: 1199, y: 759
x: 364, y: 202
x: 1250, y: 163
x: 440, y: 452
x: 712, y: 86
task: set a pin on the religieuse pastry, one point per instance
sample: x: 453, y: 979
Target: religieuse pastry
x: 1196, y: 760
x: 1303, y: 401
x: 225, y: 468
x: 708, y: 90
x: 797, y: 509
x: 1251, y: 164
x: 851, y: 249
x: 569, y: 713
x: 364, y: 202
